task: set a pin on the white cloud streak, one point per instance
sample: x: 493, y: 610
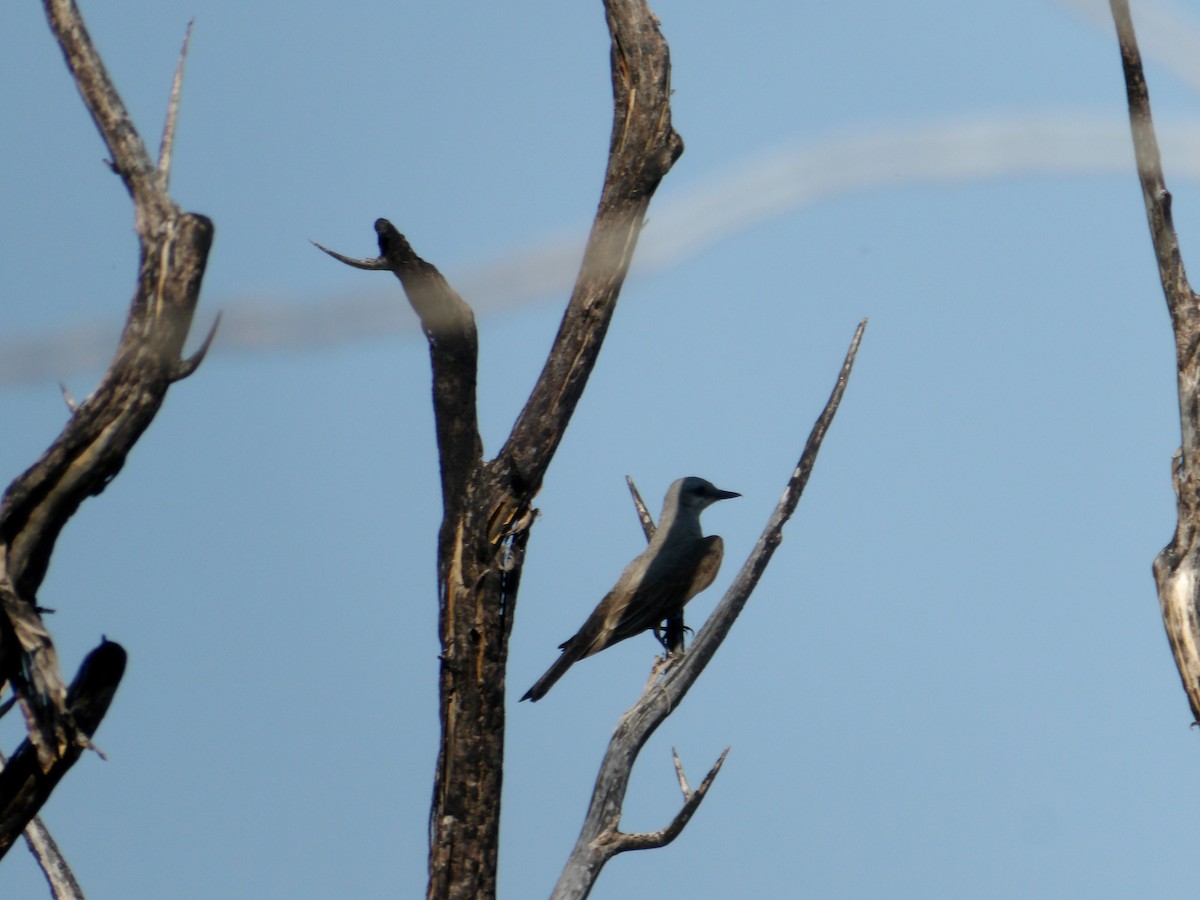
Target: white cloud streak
x: 757, y: 191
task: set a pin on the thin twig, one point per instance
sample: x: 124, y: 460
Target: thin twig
x: 168, y: 136
x: 643, y: 514
x: 683, y: 784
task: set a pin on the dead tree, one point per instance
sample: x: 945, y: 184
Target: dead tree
x: 1177, y: 567
x: 487, y: 504
x: 92, y: 448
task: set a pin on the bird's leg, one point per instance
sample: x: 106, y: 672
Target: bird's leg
x: 670, y: 633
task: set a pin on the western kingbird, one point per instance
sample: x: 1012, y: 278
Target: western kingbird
x: 678, y: 564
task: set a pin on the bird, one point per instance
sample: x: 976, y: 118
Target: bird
x: 677, y: 565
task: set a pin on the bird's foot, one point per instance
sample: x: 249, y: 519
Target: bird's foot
x: 663, y: 664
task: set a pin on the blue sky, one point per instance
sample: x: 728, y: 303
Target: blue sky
x: 952, y: 681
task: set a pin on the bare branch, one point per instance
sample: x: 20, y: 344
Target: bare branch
x: 43, y: 847
x: 186, y: 367
x: 370, y: 264
x: 683, y: 784
x: 31, y: 666
x: 449, y: 326
x: 68, y: 397
x: 621, y: 842
x: 642, y: 150
x: 62, y: 881
x: 600, y: 837
x: 709, y: 638
x: 93, y: 446
x: 1177, y: 567
x: 487, y: 506
x: 129, y: 157
x: 168, y: 136
x: 1150, y: 172
x: 644, y: 516
x: 24, y: 783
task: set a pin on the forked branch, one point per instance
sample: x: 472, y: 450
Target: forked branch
x: 1177, y: 567
x: 92, y: 448
x: 600, y: 838
x: 487, y: 506
x: 24, y: 783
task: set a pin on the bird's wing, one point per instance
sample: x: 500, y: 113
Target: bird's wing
x: 652, y: 587
x: 669, y: 582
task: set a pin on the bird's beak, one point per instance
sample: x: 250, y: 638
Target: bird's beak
x: 719, y: 494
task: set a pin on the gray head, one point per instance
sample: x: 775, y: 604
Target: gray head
x: 695, y: 495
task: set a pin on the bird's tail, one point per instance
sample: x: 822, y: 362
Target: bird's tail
x: 572, y: 653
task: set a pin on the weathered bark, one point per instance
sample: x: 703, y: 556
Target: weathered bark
x: 601, y: 839
x: 487, y: 507
x: 92, y: 448
x: 24, y: 784
x: 1177, y: 567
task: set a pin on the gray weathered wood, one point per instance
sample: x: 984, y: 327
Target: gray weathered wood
x: 600, y: 839
x: 1177, y: 567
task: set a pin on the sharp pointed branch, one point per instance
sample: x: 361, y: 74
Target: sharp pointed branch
x: 372, y: 264
x: 68, y: 398
x: 683, y: 785
x: 710, y: 637
x: 644, y: 516
x: 168, y: 135
x: 129, y: 157
x: 620, y: 842
x: 188, y: 366
x: 1157, y: 198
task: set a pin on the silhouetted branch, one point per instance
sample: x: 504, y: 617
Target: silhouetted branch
x: 642, y: 149
x: 449, y: 326
x: 600, y: 838
x: 44, y: 849
x: 25, y: 784
x: 487, y: 506
x: 1177, y: 567
x: 92, y: 448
